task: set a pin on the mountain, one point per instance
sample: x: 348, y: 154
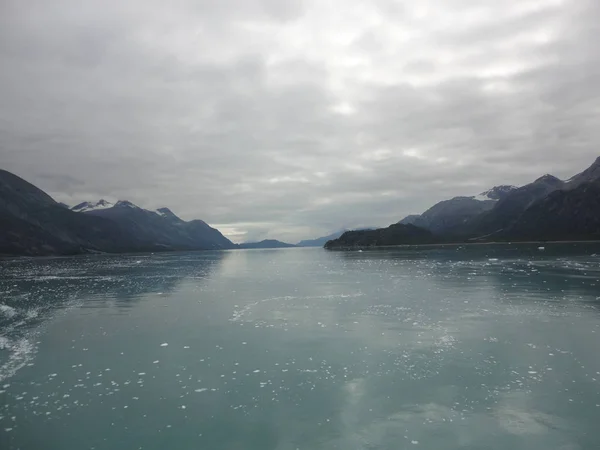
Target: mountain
x: 546, y: 209
x: 510, y: 208
x: 161, y: 227
x: 267, y: 243
x: 590, y: 174
x: 32, y: 223
x: 410, y: 220
x: 320, y: 242
x: 451, y: 214
x: 570, y: 214
x: 396, y: 234
x: 496, y: 193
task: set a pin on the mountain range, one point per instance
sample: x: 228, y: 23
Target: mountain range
x: 32, y: 223
x: 546, y: 209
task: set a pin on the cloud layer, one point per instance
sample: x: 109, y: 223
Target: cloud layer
x: 292, y: 119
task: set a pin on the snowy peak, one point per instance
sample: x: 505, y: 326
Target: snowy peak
x: 167, y: 214
x: 549, y: 180
x: 126, y: 204
x: 496, y: 193
x: 89, y: 206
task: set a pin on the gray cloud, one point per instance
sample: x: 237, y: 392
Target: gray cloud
x: 291, y: 119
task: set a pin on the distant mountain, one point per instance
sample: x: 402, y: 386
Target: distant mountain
x: 267, y: 243
x: 320, y: 242
x: 396, y: 234
x: 162, y: 227
x: 32, y: 223
x: 450, y: 214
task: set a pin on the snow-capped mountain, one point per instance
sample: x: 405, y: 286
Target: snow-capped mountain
x: 89, y: 206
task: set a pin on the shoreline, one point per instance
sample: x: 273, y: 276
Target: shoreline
x: 459, y: 244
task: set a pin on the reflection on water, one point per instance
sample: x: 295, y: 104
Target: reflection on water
x: 474, y: 347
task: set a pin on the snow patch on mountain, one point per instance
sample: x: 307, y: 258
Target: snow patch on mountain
x: 495, y: 194
x: 89, y: 206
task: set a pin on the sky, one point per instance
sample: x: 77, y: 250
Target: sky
x: 292, y: 119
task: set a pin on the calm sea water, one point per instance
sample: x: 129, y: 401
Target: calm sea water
x: 485, y: 347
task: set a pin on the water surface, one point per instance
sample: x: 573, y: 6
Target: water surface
x: 482, y: 347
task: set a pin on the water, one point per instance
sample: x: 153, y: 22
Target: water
x: 485, y: 347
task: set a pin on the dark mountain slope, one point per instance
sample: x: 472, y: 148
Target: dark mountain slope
x: 32, y: 223
x: 453, y: 213
x: 267, y: 243
x: 163, y: 227
x: 396, y: 234
x: 448, y: 215
x: 572, y: 214
x: 592, y: 173
x: 508, y: 210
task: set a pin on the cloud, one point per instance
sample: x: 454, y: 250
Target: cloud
x: 293, y: 119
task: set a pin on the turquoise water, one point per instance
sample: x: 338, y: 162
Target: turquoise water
x: 484, y: 347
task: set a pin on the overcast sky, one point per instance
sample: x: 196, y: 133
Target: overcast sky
x: 288, y: 118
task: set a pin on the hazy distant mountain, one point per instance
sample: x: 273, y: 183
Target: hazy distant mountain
x: 267, y: 243
x: 320, y: 242
x: 32, y: 223
x: 396, y: 234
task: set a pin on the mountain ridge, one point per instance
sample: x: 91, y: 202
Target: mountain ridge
x: 33, y: 223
